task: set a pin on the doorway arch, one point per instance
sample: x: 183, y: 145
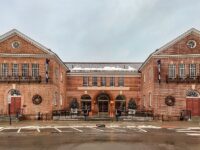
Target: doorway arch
x: 193, y: 102
x: 14, y: 100
x: 103, y: 102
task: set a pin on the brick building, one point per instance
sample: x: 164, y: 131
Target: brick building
x: 34, y: 79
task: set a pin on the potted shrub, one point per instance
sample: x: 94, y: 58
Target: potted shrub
x: 74, y: 106
x: 132, y: 106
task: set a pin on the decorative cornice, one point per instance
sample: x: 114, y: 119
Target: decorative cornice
x: 27, y: 55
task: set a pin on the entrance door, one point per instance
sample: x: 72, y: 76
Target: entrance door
x: 15, y: 105
x: 103, y: 106
x: 193, y: 104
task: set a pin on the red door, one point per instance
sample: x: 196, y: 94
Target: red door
x: 193, y: 104
x: 15, y: 105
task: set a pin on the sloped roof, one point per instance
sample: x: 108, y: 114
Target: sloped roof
x: 103, y: 66
x: 25, y: 37
x: 20, y: 34
x: 158, y: 51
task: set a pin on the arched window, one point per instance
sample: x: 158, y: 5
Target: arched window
x: 103, y: 97
x: 86, y: 102
x: 192, y: 93
x: 120, y: 98
x: 14, y: 92
x: 120, y: 103
x: 85, y: 97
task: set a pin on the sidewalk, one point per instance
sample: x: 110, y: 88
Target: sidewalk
x: 165, y: 124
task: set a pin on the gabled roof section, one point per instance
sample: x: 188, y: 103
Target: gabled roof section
x: 158, y: 51
x: 38, y: 45
x: 25, y: 37
x: 192, y: 30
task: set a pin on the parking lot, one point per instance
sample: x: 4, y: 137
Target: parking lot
x: 91, y: 136
x: 91, y: 129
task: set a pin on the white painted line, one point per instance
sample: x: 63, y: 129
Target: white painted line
x: 131, y: 126
x: 76, y: 129
x: 193, y: 134
x: 38, y: 129
x: 1, y: 129
x: 149, y: 127
x: 96, y: 129
x: 91, y: 126
x: 141, y: 130
x: 197, y: 128
x: 188, y: 131
x: 117, y: 129
x: 18, y: 131
x: 57, y: 129
x: 114, y: 126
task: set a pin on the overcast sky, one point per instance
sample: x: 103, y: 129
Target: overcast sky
x: 101, y: 30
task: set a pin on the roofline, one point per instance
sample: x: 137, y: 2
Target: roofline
x: 40, y: 46
x: 168, y: 45
x: 103, y: 62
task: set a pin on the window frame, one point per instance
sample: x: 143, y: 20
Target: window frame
x: 94, y: 81
x: 192, y: 71
x: 4, y: 69
x: 25, y: 71
x: 35, y: 70
x: 121, y: 81
x: 182, y: 71
x: 112, y: 81
x: 172, y: 71
x: 103, y: 81
x: 85, y: 81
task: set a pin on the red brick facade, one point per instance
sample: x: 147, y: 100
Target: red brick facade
x: 64, y: 85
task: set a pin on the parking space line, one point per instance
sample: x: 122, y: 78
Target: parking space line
x: 76, y: 129
x: 18, y: 131
x: 38, y: 129
x: 188, y: 131
x: 193, y: 134
x: 142, y: 130
x: 57, y: 129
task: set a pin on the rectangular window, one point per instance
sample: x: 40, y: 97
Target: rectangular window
x: 94, y: 81
x: 4, y: 69
x: 103, y: 81
x: 85, y: 81
x: 121, y: 81
x: 150, y: 101
x: 25, y: 71
x: 172, y: 71
x: 35, y: 70
x: 144, y: 101
x: 15, y: 70
x: 192, y: 70
x: 112, y: 81
x: 182, y: 70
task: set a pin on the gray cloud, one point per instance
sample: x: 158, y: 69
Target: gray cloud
x: 101, y: 30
